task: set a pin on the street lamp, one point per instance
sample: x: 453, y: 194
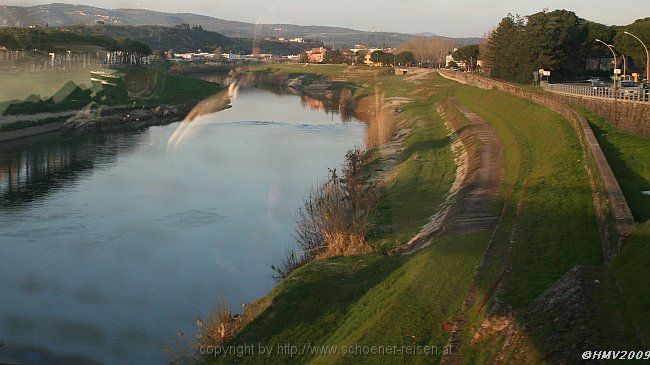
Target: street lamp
x: 647, y: 55
x: 615, y: 63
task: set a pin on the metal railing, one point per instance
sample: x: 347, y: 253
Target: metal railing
x: 599, y: 92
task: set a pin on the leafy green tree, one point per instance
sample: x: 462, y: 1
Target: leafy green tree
x: 334, y: 56
x: 53, y: 39
x: 631, y: 47
x: 468, y: 54
x: 501, y: 49
x: 360, y: 57
x: 558, y: 41
x: 377, y: 56
x: 405, y: 58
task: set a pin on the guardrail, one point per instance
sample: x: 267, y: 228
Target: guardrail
x: 598, y: 92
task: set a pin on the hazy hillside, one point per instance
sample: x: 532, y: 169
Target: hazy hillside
x: 64, y: 14
x: 188, y: 39
x: 161, y: 38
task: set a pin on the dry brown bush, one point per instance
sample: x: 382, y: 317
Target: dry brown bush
x: 381, y: 123
x: 218, y: 327
x: 334, y: 219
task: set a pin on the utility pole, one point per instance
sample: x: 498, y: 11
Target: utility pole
x: 647, y: 56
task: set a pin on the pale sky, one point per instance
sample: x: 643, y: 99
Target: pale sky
x: 455, y: 18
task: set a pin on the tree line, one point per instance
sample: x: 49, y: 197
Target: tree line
x: 558, y: 41
x: 53, y: 39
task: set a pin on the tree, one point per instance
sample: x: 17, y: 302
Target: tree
x: 631, y: 47
x: 334, y: 57
x: 53, y: 39
x: 428, y: 50
x: 377, y: 56
x: 483, y: 50
x: 360, y: 57
x: 405, y: 58
x: 558, y: 41
x: 501, y: 55
x: 217, y: 53
x: 468, y: 54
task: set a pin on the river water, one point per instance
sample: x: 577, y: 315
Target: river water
x: 112, y: 244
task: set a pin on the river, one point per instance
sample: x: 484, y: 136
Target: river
x: 112, y: 244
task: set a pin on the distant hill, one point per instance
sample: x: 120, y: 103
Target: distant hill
x: 66, y: 15
x: 56, y: 39
x: 159, y: 37
x: 187, y: 39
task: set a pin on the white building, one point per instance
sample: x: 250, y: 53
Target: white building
x: 232, y: 57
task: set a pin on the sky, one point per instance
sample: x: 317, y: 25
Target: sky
x: 455, y: 18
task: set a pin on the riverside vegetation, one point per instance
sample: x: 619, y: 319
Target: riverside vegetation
x: 546, y: 227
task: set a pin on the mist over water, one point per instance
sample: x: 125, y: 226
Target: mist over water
x: 113, y: 243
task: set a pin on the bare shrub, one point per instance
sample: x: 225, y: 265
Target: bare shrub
x: 219, y: 326
x: 381, y: 124
x: 291, y: 261
x: 429, y: 49
x: 334, y: 219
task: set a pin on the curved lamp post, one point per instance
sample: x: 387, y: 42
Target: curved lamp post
x: 647, y: 55
x: 615, y: 63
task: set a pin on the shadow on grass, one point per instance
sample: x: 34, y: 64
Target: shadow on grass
x: 311, y: 303
x: 632, y: 183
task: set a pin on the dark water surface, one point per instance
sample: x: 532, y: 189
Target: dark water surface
x: 112, y: 243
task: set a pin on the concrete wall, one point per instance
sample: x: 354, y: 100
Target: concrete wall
x: 615, y: 220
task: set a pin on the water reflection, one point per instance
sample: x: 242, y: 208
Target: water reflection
x: 30, y: 170
x: 313, y: 102
x: 112, y: 243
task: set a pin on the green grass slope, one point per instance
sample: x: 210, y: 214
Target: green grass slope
x: 375, y: 300
x: 548, y: 189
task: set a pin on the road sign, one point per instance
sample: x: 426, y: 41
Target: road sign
x: 617, y: 71
x: 547, y: 73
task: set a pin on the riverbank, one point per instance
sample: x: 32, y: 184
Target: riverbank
x: 543, y: 202
x: 157, y: 97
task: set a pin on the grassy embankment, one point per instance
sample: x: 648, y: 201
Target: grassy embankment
x: 548, y: 224
x: 352, y: 300
x: 70, y: 91
x: 628, y: 154
x: 404, y: 300
x: 156, y: 85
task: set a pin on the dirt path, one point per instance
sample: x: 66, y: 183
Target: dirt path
x: 418, y: 74
x: 614, y: 217
x: 476, y: 211
x: 482, y: 186
x: 469, y: 206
